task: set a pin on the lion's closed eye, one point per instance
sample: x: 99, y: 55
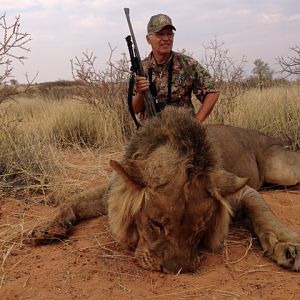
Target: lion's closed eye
x: 161, y: 186
x: 154, y: 232
x: 156, y: 225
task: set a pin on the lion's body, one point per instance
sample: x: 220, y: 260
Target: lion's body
x: 262, y: 159
x: 178, y: 185
x: 243, y: 151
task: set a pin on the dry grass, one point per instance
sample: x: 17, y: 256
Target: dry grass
x: 13, y: 235
x: 274, y: 111
x: 27, y: 161
x: 240, y: 238
x: 79, y: 124
x: 35, y: 132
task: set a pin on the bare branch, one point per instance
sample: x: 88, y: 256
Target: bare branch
x: 104, y: 90
x: 291, y: 64
x: 95, y: 85
x: 227, y: 73
x: 12, y: 42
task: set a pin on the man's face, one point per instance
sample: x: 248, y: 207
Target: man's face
x: 162, y: 41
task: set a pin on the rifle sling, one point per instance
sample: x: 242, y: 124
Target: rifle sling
x: 129, y: 100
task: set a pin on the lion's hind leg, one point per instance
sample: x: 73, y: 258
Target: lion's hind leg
x: 279, y: 242
x: 85, y: 205
x: 281, y: 166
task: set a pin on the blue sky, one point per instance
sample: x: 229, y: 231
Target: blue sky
x: 62, y: 30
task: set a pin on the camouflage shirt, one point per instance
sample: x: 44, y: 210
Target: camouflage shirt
x: 187, y: 76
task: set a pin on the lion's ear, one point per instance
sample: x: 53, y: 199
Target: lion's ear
x: 220, y: 183
x: 129, y: 172
x: 225, y: 183
x: 125, y: 200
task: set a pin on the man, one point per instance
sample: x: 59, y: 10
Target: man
x: 172, y: 77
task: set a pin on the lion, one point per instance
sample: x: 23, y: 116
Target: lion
x: 177, y: 188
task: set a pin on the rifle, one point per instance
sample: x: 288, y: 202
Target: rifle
x: 137, y: 68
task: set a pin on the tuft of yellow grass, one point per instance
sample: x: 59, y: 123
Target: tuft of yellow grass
x: 273, y: 111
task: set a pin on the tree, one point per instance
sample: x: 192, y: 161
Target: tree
x: 262, y: 72
x: 13, y: 43
x: 291, y: 64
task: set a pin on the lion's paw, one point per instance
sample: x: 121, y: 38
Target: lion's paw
x: 287, y: 255
x: 283, y: 247
x: 54, y: 229
x: 47, y: 232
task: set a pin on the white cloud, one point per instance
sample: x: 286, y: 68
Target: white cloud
x: 25, y: 4
x: 293, y: 18
x: 270, y: 18
x: 16, y: 5
x: 89, y: 22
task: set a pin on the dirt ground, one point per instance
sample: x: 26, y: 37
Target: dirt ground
x: 90, y: 265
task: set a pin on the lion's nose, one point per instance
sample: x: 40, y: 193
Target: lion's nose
x: 176, y: 266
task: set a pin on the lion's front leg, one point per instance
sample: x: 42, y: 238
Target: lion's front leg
x: 85, y: 205
x: 278, y: 241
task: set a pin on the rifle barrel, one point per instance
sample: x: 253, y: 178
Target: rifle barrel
x: 136, y: 49
x: 149, y: 101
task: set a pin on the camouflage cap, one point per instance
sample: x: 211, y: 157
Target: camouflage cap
x: 158, y: 22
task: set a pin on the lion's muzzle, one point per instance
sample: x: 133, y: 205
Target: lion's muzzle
x: 177, y: 265
x: 162, y: 262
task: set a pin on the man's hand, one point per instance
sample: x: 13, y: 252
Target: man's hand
x: 207, y: 106
x: 141, y: 84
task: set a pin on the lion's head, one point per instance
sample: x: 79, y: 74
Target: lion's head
x: 167, y: 196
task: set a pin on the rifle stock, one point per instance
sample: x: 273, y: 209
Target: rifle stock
x: 137, y: 68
